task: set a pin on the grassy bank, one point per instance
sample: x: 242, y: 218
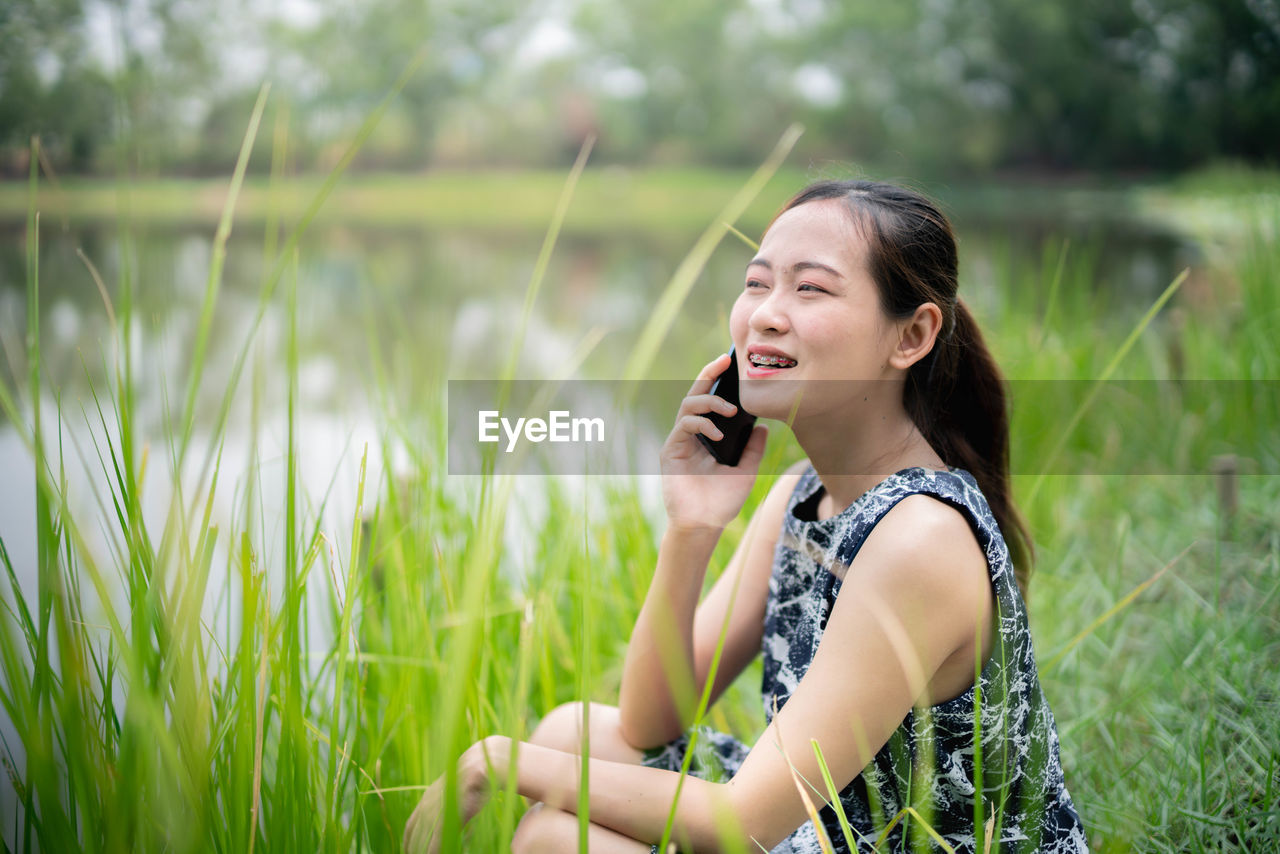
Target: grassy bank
x: 606, y: 200
x: 168, y: 690
x: 609, y: 200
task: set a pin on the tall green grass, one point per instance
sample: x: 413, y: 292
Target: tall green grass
x: 144, y: 723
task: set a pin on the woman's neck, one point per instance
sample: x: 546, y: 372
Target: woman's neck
x: 852, y: 460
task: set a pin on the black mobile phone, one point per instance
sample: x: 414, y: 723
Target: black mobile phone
x: 736, y: 428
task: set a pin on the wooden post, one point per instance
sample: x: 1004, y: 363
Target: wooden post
x: 1225, y: 468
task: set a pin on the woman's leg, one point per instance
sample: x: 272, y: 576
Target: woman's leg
x: 544, y: 829
x: 561, y: 729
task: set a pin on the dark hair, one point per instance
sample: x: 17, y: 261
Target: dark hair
x: 955, y: 394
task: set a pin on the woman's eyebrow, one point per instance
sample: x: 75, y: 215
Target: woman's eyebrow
x: 798, y: 266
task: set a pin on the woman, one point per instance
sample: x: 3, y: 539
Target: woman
x: 874, y: 577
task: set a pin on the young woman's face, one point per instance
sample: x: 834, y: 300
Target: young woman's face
x: 810, y: 311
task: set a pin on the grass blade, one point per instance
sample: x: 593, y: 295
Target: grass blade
x: 214, y: 281
x: 1124, y: 602
x: 544, y: 255
x: 1098, y: 383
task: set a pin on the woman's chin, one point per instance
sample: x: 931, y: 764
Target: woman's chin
x: 770, y: 399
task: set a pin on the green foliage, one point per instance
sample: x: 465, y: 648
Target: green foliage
x: 48, y: 87
x: 952, y: 87
x: 1156, y: 85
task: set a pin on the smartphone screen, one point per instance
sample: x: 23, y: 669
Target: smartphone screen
x: 736, y: 428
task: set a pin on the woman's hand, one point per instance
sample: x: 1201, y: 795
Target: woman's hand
x: 697, y: 490
x: 422, y: 833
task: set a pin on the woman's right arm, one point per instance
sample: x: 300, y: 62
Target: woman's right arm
x: 674, y: 639
x: 658, y: 694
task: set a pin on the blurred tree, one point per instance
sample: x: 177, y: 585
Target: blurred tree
x: 1146, y: 84
x: 46, y: 87
x: 915, y: 85
x: 168, y: 60
x: 897, y: 99
x: 335, y: 70
x: 695, y: 78
x: 1227, y: 54
x: 981, y: 84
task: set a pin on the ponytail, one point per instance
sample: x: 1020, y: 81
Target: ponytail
x: 956, y: 397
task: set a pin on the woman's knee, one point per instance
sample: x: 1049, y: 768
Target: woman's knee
x: 561, y: 729
x: 545, y: 830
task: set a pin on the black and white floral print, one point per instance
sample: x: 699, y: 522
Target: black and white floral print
x: 928, y: 764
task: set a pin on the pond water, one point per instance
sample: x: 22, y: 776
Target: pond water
x: 384, y: 317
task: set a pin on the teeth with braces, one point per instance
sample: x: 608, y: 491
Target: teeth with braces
x: 761, y: 360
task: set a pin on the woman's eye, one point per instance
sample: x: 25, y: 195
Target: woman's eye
x: 808, y: 286
x: 754, y: 283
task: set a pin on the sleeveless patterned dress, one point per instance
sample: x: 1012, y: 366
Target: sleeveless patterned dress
x: 928, y: 763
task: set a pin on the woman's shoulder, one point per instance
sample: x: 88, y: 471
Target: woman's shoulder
x: 929, y: 550
x: 937, y: 515
x: 932, y: 516
x: 951, y: 487
x: 921, y: 523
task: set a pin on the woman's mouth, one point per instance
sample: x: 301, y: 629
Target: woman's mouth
x: 760, y: 360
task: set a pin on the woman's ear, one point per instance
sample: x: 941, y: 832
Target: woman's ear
x: 916, y: 336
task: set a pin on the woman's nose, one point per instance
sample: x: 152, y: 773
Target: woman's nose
x: 770, y: 315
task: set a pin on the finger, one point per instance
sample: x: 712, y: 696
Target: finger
x: 407, y: 844
x: 421, y: 834
x: 692, y: 425
x: 701, y: 403
x: 708, y: 374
